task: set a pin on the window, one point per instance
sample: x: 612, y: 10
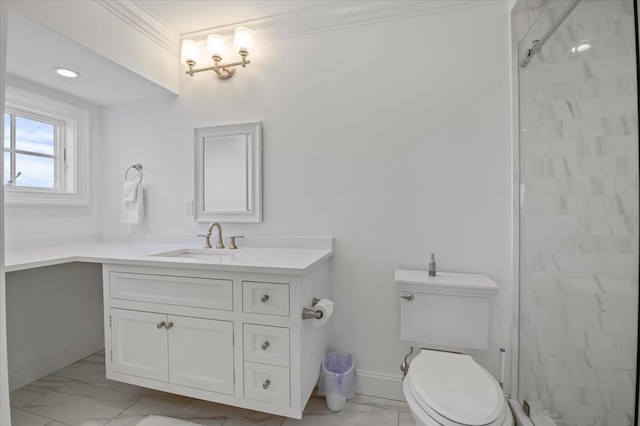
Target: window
x: 45, y: 150
x: 32, y: 153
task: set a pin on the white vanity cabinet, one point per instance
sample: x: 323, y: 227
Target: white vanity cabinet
x: 233, y: 337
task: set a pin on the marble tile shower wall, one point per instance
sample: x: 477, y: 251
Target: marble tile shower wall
x: 579, y: 217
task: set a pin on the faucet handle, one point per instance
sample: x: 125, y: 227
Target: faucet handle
x: 207, y: 240
x: 233, y: 245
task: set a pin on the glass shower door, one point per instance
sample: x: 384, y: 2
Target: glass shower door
x: 579, y: 217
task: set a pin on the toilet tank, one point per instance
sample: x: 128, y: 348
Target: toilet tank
x: 450, y: 310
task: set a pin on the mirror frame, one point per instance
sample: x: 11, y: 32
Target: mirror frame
x: 253, y: 133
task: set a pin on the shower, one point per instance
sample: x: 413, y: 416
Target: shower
x: 576, y: 159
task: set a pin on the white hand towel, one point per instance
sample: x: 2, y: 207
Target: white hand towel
x: 132, y: 203
x: 130, y: 190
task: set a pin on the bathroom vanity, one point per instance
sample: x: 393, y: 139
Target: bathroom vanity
x: 218, y: 325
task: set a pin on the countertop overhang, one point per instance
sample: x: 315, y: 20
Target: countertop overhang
x: 292, y: 261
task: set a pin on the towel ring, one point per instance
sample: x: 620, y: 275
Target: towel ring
x: 137, y: 167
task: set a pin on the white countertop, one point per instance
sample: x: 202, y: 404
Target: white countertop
x: 296, y: 261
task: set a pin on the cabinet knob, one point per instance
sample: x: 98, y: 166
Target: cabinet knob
x: 265, y: 346
x: 161, y: 324
x: 264, y: 298
x: 266, y: 384
x: 168, y: 325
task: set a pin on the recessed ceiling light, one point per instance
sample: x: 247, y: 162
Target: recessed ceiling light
x: 66, y: 72
x: 580, y: 48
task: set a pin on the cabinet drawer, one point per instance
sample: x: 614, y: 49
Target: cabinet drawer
x: 268, y: 345
x: 168, y: 290
x: 266, y: 383
x: 265, y: 298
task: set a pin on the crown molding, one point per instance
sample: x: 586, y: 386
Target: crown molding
x: 143, y: 21
x: 336, y: 15
x: 328, y: 16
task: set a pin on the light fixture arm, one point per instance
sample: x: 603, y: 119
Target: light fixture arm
x: 222, y: 71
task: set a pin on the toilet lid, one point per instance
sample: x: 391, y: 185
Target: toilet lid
x: 456, y: 387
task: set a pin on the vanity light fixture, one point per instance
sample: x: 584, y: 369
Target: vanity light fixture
x: 66, y: 72
x: 216, y: 47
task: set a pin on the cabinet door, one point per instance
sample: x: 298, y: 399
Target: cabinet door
x: 139, y: 344
x: 201, y: 353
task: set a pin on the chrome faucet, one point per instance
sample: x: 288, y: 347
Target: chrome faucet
x: 207, y: 236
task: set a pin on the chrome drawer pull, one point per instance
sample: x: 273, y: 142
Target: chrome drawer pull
x: 266, y: 384
x: 265, y: 346
x: 264, y: 298
x: 407, y: 296
x: 161, y: 324
x: 169, y: 325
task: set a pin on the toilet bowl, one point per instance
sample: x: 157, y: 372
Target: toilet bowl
x: 443, y: 388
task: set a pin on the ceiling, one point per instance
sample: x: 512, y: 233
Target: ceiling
x: 33, y: 50
x: 195, y: 15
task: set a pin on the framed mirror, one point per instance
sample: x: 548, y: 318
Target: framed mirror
x: 228, y: 167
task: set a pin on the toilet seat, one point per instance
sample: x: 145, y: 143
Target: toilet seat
x: 452, y: 389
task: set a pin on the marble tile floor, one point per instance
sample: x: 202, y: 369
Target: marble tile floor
x: 81, y: 395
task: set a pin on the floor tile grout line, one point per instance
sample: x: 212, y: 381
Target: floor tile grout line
x: 226, y: 418
x: 376, y: 405
x: 65, y: 393
x: 140, y: 397
x: 35, y: 400
x: 143, y: 397
x: 116, y: 416
x: 39, y: 415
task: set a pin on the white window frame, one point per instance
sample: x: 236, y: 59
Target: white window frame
x: 72, y: 134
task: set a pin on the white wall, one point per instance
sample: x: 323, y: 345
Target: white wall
x: 28, y: 222
x: 129, y: 45
x: 54, y: 318
x: 394, y: 161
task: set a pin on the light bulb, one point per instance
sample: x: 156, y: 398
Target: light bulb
x: 66, y: 72
x: 190, y: 50
x: 216, y: 45
x: 243, y: 39
x: 581, y: 48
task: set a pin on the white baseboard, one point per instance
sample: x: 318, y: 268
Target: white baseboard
x: 42, y: 366
x: 380, y: 385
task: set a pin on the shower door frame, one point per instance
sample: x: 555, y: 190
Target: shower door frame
x: 513, y: 389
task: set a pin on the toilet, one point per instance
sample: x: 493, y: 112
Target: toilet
x: 451, y: 312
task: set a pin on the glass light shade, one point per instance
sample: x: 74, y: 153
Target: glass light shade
x: 190, y: 50
x: 580, y: 48
x: 583, y: 47
x: 243, y: 39
x: 216, y: 45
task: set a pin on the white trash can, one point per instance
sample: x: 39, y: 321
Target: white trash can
x: 337, y: 379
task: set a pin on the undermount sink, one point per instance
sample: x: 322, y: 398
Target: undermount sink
x: 188, y: 253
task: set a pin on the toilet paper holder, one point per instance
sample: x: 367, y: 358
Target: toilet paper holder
x: 310, y: 313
